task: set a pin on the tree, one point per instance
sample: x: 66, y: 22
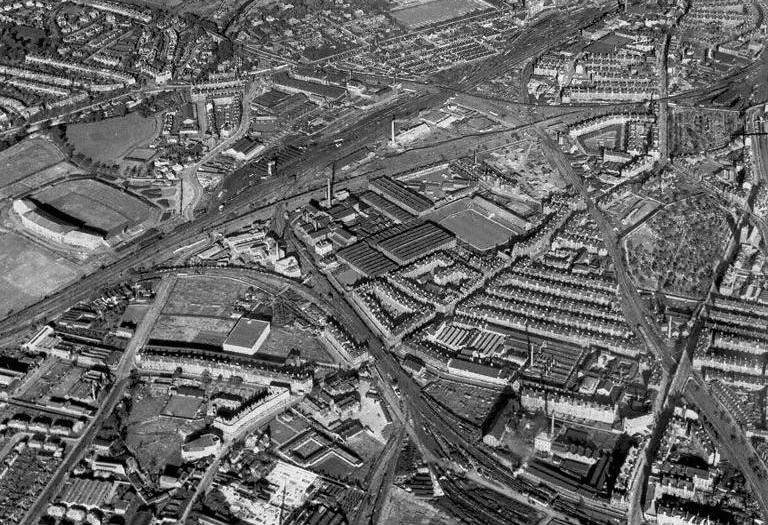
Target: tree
x: 224, y: 50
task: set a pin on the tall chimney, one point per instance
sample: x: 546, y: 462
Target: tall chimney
x: 392, y: 131
x: 270, y: 168
x: 329, y: 188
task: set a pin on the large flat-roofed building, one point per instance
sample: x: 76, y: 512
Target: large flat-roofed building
x: 88, y: 493
x: 477, y: 372
x: 247, y: 336
x: 364, y: 259
x: 405, y: 198
x: 416, y: 242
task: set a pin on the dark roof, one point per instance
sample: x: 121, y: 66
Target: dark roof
x: 246, y: 332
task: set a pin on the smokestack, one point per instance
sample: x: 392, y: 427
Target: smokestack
x: 552, y: 426
x: 329, y: 189
x: 270, y: 168
x: 392, y: 131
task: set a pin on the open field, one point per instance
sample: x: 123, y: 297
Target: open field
x: 192, y: 329
x: 404, y: 507
x: 436, y: 11
x: 283, y: 429
x: 204, y: 296
x: 95, y: 204
x: 26, y: 158
x: 336, y: 468
x: 182, y: 406
x: 282, y: 340
x: 40, y: 179
x: 29, y: 272
x: 156, y: 440
x: 111, y: 139
x: 134, y: 313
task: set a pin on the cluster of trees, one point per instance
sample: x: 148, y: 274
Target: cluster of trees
x: 16, y: 41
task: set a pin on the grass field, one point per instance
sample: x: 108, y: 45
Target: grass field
x: 96, y: 204
x: 111, y: 139
x: 29, y: 272
x: 182, y: 406
x: 155, y: 440
x: 40, y: 179
x: 436, y: 11
x: 134, y: 313
x: 477, y: 230
x: 284, y: 430
x: 206, y: 296
x: 281, y: 340
x: 26, y: 158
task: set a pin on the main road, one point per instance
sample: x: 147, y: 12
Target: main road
x: 636, y: 314
x: 115, y: 395
x: 297, y: 176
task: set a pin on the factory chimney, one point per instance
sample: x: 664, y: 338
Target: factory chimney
x: 329, y: 188
x: 270, y: 168
x: 392, y: 131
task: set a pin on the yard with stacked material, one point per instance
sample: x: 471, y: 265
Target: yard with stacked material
x: 29, y: 272
x: 111, y: 139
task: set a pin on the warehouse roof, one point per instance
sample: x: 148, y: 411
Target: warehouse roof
x: 246, y: 332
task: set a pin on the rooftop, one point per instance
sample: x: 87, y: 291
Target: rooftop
x: 247, y: 332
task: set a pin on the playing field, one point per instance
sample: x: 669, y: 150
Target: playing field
x: 475, y: 229
x: 29, y: 272
x: 110, y: 139
x: 95, y: 204
x: 184, y: 407
x: 26, y: 158
x: 436, y: 11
